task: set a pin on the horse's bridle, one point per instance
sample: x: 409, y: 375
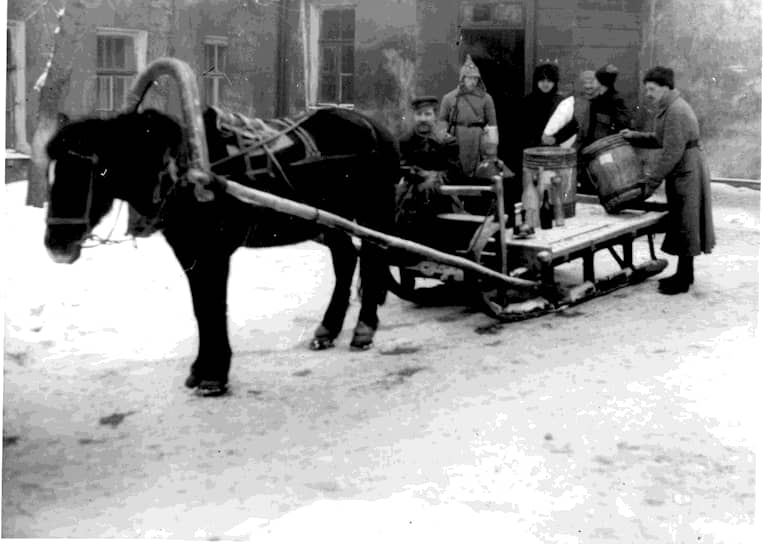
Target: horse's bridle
x: 85, y: 219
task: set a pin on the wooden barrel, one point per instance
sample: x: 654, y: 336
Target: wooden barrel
x: 615, y: 169
x: 553, y: 162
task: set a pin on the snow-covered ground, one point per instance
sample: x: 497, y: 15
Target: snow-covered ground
x: 631, y: 418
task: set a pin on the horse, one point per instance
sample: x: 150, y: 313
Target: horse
x: 334, y: 159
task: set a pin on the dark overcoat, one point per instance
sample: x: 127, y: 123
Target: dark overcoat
x: 435, y: 160
x: 595, y: 118
x: 682, y: 165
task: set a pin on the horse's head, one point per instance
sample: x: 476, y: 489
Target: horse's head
x: 94, y: 161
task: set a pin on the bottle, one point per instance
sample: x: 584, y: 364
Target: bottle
x: 557, y: 201
x: 518, y: 218
x: 530, y: 200
x: 546, y: 212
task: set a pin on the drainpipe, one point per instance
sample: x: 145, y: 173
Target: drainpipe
x: 282, y: 61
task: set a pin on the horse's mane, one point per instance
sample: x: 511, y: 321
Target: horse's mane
x: 98, y: 135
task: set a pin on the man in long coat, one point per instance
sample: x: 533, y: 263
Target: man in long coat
x: 465, y: 112
x: 682, y: 164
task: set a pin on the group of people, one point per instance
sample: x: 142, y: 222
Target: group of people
x: 451, y: 138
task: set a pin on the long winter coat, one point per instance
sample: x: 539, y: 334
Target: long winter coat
x: 682, y: 164
x: 466, y: 113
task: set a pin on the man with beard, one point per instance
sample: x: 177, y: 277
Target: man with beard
x: 429, y: 159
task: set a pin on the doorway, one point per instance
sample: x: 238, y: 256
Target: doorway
x: 499, y: 55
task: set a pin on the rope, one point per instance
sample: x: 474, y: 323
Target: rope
x: 290, y: 125
x: 108, y: 240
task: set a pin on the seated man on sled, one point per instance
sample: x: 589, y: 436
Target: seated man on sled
x: 429, y: 159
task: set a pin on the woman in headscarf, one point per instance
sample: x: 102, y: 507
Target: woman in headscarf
x: 465, y: 112
x: 540, y: 104
x: 687, y: 178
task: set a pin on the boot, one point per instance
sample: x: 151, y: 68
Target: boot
x: 681, y: 280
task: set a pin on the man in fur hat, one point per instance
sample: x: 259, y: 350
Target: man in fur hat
x: 682, y: 165
x: 468, y: 113
x: 599, y: 112
x: 581, y: 120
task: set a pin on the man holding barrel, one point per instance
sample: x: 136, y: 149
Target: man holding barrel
x: 682, y: 164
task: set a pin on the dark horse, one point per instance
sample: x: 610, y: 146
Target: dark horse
x: 352, y: 171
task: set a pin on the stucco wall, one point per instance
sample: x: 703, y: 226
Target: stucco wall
x: 174, y: 27
x: 384, y: 50
x: 584, y: 35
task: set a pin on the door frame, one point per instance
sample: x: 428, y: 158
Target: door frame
x: 18, y: 47
x: 529, y: 39
x: 529, y: 42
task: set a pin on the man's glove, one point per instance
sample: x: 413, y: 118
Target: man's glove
x: 431, y: 180
x: 649, y: 185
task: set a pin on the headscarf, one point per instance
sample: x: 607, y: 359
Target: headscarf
x: 549, y: 72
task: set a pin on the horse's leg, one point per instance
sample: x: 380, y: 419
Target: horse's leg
x: 207, y: 273
x: 344, y: 257
x: 373, y: 277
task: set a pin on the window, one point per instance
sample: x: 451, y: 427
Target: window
x: 337, y: 61
x: 504, y: 13
x: 214, y: 69
x: 115, y: 71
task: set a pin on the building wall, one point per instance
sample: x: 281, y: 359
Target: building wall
x: 437, y: 47
x: 579, y: 34
x: 174, y: 28
x: 384, y: 55
x: 586, y: 34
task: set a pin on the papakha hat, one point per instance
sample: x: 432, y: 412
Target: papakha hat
x: 662, y: 76
x: 607, y: 75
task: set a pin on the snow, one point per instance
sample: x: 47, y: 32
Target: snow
x: 651, y: 410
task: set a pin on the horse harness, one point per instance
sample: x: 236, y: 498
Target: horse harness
x: 255, y: 138
x: 85, y: 218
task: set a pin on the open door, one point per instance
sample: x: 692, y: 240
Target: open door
x: 499, y: 55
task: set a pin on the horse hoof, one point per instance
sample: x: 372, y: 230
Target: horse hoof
x: 319, y: 344
x: 211, y: 388
x: 362, y: 337
x: 360, y: 346
x: 192, y: 381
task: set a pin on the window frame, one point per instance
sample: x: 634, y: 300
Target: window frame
x: 135, y: 60
x: 312, y: 14
x: 216, y: 74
